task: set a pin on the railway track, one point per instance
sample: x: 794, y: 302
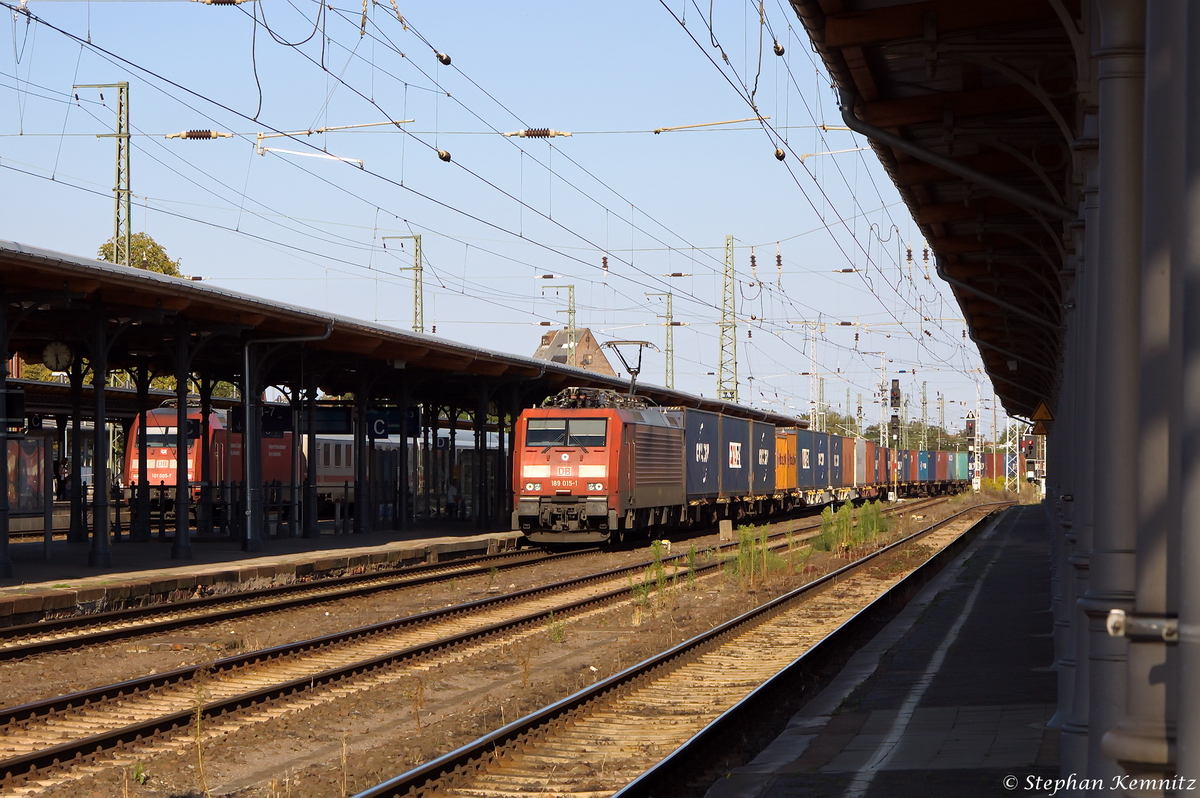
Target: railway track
x: 599, y: 739
x: 37, y: 739
x: 46, y: 735
x: 63, y: 634
x: 66, y: 633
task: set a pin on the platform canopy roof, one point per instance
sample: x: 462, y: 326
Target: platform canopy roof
x: 991, y: 91
x: 56, y: 297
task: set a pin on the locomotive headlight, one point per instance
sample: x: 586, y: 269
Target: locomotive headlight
x: 595, y: 486
x: 533, y: 486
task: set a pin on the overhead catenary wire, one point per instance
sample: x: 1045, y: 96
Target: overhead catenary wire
x: 108, y: 54
x: 776, y: 138
x: 555, y: 248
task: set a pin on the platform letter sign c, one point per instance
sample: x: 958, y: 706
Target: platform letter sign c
x: 379, y: 428
x: 735, y: 455
x: 701, y: 452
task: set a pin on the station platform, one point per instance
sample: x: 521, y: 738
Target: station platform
x: 145, y: 573
x: 951, y: 698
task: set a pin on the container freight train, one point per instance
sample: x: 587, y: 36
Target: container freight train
x: 592, y: 466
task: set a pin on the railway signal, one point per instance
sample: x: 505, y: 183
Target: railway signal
x: 895, y: 393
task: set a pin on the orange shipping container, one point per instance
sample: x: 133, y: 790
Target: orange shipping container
x: 847, y: 462
x: 785, y: 458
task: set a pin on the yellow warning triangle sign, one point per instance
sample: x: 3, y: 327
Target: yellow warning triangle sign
x: 1042, y: 414
x: 1040, y: 428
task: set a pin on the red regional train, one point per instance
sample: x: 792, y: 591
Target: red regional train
x: 335, y: 457
x: 226, y: 448
x: 594, y: 466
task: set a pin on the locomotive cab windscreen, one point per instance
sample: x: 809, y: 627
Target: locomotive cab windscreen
x: 588, y: 433
x: 161, y: 438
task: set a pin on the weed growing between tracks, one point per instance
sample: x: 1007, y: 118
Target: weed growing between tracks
x: 415, y: 693
x: 201, y: 696
x: 556, y: 630
x: 848, y: 529
x: 386, y: 733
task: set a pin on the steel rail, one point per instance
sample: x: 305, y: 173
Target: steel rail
x: 435, y: 774
x: 293, y: 595
x: 685, y: 761
x: 28, y: 764
x: 25, y: 765
x: 258, y: 601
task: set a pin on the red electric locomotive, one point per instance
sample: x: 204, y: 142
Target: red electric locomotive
x: 595, y: 466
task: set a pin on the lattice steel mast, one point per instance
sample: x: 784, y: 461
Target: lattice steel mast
x: 671, y: 324
x: 727, y: 382
x: 418, y: 271
x: 122, y: 234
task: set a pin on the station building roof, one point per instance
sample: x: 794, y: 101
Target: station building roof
x: 62, y: 297
x: 994, y: 89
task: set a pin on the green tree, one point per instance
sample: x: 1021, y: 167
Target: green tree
x: 145, y: 253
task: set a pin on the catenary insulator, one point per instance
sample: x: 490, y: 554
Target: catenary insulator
x: 445, y: 156
x: 537, y: 133
x: 445, y: 59
x: 780, y: 154
x: 778, y: 48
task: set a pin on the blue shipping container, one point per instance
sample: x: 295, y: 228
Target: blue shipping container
x: 701, y: 452
x: 923, y: 467
x: 963, y: 471
x: 807, y: 460
x: 835, y: 460
x: 821, y: 468
x: 762, y: 470
x: 735, y: 456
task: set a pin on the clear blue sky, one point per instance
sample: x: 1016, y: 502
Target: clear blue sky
x: 309, y: 231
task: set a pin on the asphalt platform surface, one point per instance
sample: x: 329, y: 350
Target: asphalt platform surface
x: 951, y: 699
